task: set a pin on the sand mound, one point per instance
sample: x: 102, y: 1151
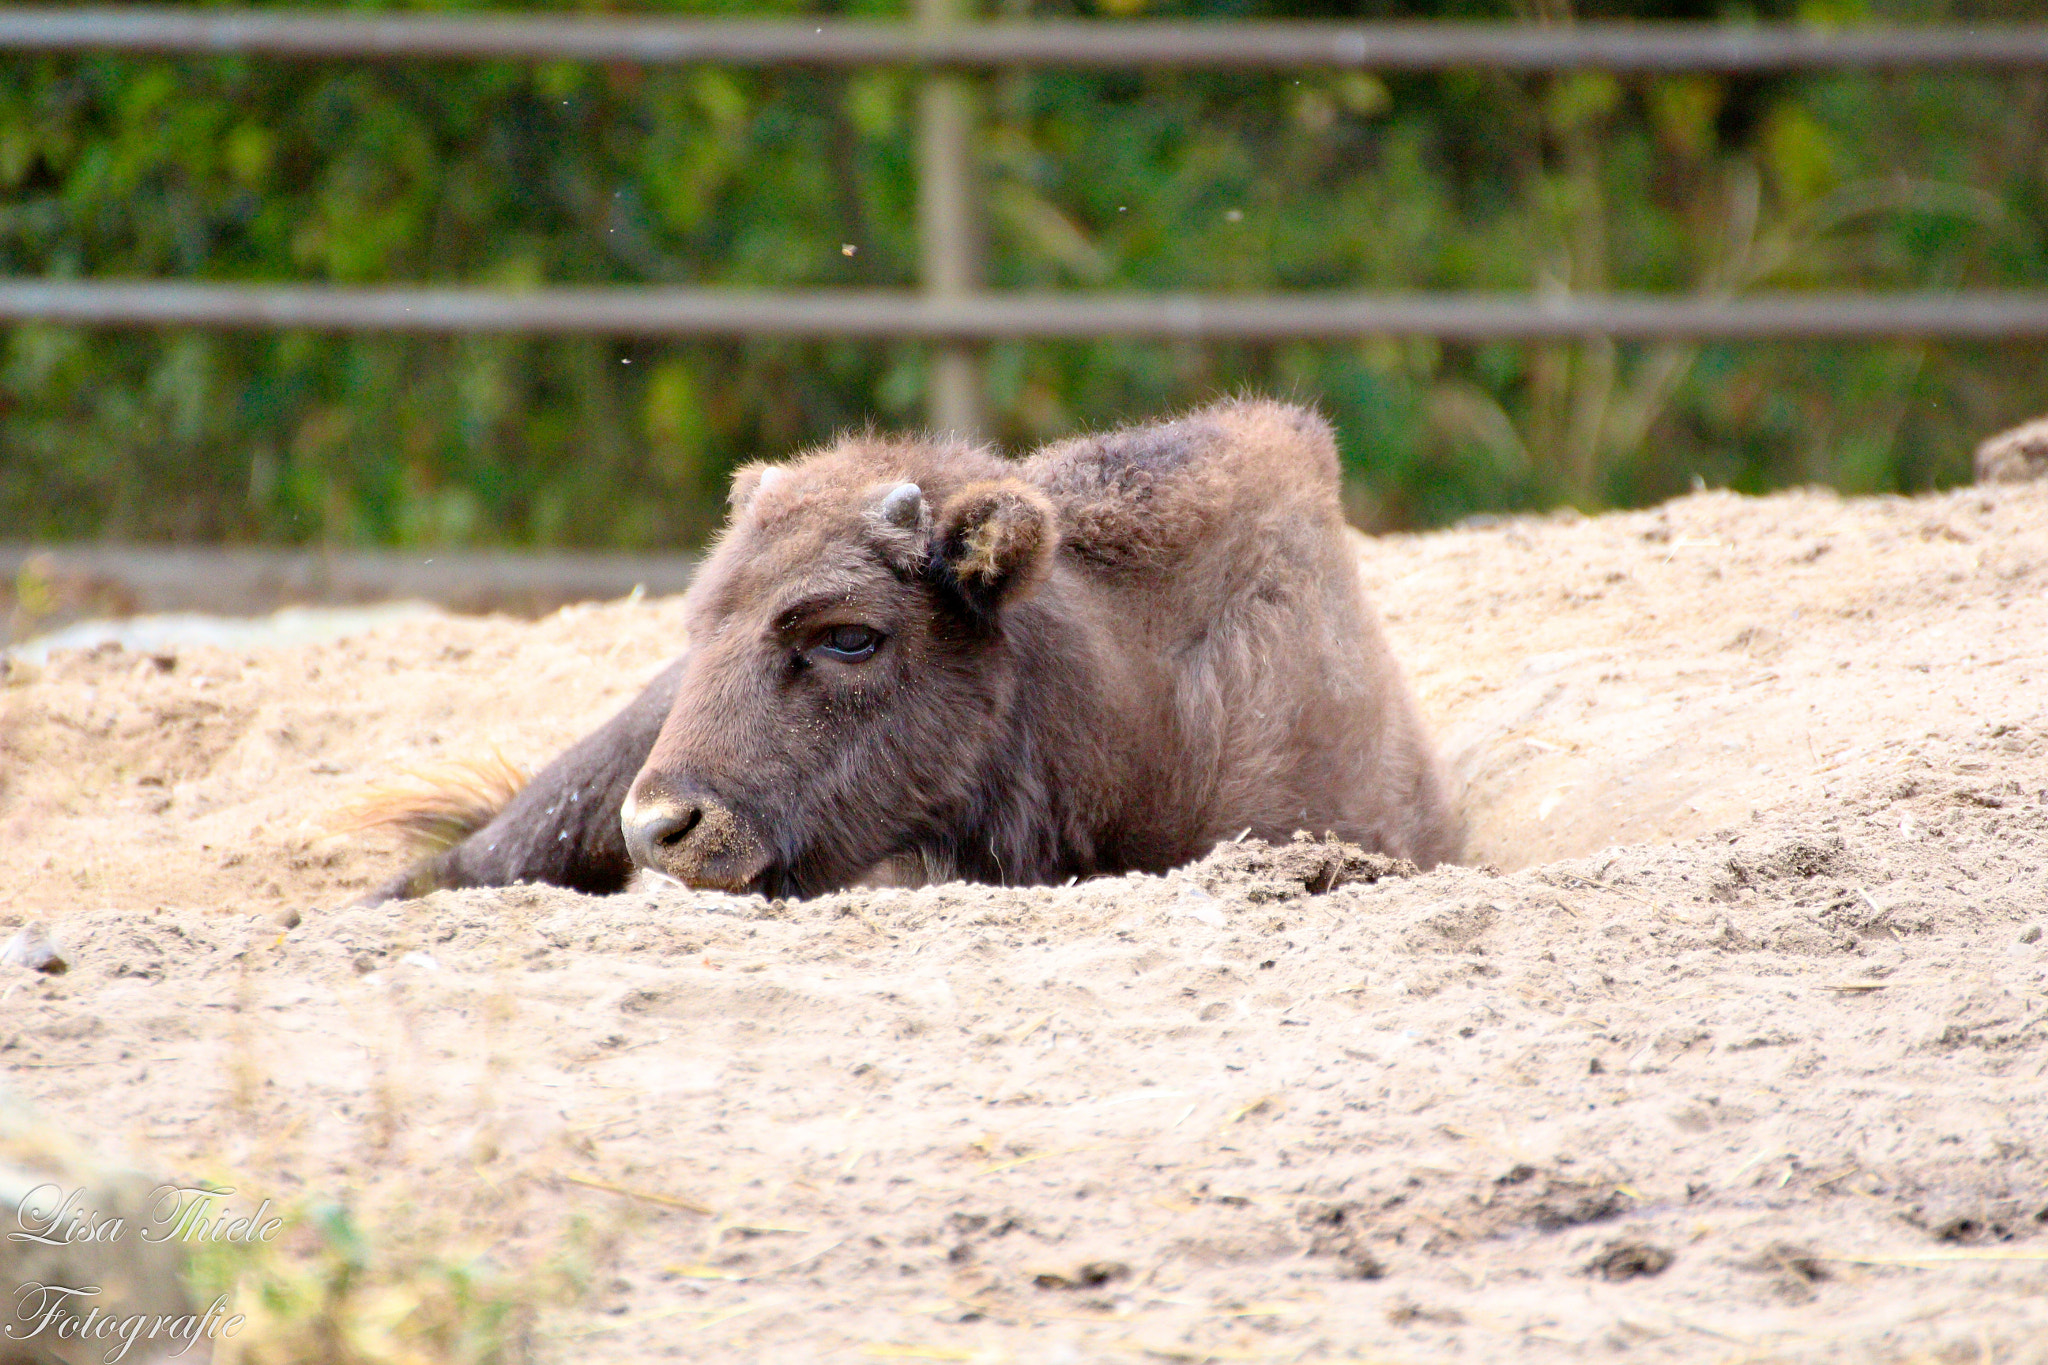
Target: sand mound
x: 1732, y: 1050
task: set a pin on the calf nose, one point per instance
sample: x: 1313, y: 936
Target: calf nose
x: 694, y: 839
x: 656, y: 832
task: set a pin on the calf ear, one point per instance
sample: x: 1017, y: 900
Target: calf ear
x: 996, y: 540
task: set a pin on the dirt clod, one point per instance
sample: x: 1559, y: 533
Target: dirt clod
x: 1567, y: 1205
x: 1628, y: 1260
x: 1263, y: 872
x: 2016, y: 456
x: 1407, y: 1313
x: 1088, y: 1275
x: 33, y: 948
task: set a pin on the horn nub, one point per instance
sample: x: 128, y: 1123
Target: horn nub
x: 901, y: 505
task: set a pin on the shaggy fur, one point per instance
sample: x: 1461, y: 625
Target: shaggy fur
x: 1108, y: 657
x: 434, y: 806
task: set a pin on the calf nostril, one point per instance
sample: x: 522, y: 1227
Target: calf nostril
x: 677, y: 828
x: 659, y: 834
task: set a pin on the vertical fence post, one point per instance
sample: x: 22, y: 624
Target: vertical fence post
x: 949, y: 229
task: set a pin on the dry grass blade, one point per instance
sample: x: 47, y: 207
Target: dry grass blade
x: 705, y: 1319
x: 432, y: 806
x: 712, y: 1272
x: 1034, y: 1026
x: 1043, y: 1156
x: 1264, y: 1104
x: 1188, y: 1355
x: 1607, y: 886
x: 665, y: 1200
x: 1939, y: 1257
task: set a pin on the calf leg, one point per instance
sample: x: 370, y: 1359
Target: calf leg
x: 562, y: 827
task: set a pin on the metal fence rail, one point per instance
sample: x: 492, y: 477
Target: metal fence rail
x: 675, y: 313
x: 89, y: 580
x: 951, y: 313
x: 1144, y: 43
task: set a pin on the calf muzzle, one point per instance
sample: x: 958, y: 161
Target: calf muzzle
x: 693, y: 838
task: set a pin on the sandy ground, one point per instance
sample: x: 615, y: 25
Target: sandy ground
x: 1730, y: 1045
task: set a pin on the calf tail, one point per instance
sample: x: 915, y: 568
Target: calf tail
x: 432, y: 807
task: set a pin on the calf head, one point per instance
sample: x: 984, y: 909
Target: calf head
x: 851, y: 668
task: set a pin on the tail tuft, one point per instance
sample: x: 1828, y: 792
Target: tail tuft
x: 433, y: 806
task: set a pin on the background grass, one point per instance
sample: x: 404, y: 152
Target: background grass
x: 519, y: 175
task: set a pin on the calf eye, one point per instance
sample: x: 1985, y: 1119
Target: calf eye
x: 849, y: 644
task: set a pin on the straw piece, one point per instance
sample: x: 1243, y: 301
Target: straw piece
x: 666, y: 1201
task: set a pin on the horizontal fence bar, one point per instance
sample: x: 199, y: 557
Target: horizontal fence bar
x: 87, y: 580
x: 1140, y: 43
x: 1020, y: 317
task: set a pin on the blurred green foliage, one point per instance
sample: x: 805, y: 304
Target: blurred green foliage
x: 522, y: 175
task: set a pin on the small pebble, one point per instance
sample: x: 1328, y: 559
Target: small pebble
x: 289, y: 919
x: 2031, y: 934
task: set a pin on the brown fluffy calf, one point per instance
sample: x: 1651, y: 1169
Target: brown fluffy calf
x: 915, y: 653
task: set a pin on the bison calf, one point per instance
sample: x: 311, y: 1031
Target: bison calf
x: 915, y: 653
